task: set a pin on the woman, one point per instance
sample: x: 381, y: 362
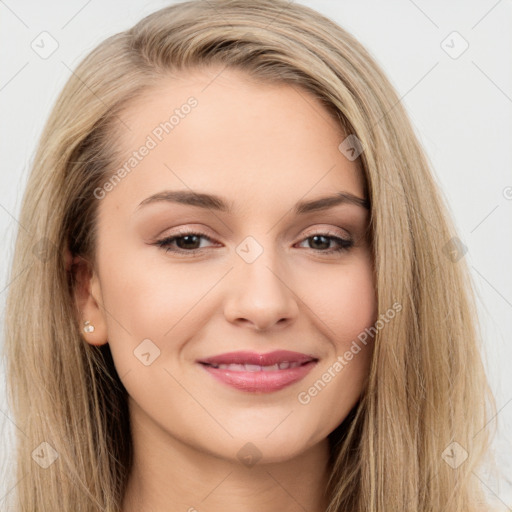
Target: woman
x: 238, y: 285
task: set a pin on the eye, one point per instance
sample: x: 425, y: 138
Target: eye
x: 319, y: 241
x: 184, y: 242
x: 188, y: 243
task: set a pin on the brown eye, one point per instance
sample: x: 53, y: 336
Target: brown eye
x: 321, y: 242
x: 183, y: 243
x: 189, y: 243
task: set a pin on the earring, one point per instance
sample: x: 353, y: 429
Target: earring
x: 88, y: 327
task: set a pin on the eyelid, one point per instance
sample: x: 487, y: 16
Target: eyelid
x: 327, y: 231
x: 185, y: 230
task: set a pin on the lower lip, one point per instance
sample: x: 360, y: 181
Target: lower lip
x: 261, y: 381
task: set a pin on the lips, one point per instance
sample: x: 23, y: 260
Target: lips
x: 252, y: 361
x: 264, y: 373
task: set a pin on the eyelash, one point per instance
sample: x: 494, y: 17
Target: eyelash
x: 165, y: 243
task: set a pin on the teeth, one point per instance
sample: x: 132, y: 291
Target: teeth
x: 256, y: 367
x: 232, y: 367
x: 252, y: 367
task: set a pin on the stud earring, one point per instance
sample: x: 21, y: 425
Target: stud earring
x: 88, y: 327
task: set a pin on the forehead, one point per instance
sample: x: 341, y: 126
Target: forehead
x: 219, y: 130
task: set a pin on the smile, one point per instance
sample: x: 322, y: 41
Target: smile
x: 263, y: 373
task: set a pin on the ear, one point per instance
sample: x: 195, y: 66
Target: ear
x: 88, y: 299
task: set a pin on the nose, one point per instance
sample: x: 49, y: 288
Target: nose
x: 260, y: 296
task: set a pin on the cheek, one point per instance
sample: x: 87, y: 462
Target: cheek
x: 161, y: 302
x: 345, y: 306
x: 146, y: 296
x: 344, y: 301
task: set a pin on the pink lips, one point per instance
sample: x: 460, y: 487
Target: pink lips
x: 250, y: 371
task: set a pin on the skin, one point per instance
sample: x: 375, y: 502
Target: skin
x: 262, y: 148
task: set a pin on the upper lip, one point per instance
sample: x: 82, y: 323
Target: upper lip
x: 268, y: 359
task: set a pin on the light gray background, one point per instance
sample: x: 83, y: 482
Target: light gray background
x: 461, y: 109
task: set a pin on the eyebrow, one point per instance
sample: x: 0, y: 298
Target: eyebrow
x: 214, y: 202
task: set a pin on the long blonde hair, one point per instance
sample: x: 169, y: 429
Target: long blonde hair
x: 427, y: 388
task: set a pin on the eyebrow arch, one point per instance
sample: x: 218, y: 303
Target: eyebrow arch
x: 213, y: 202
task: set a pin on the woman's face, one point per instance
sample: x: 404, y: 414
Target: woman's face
x: 257, y: 275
